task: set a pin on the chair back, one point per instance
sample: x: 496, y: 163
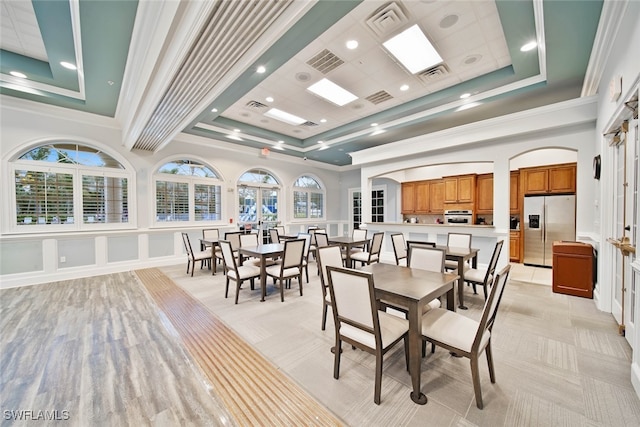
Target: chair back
x: 459, y: 240
x: 321, y: 240
x: 313, y: 232
x: 427, y: 258
x: 419, y: 244
x: 227, y: 255
x: 273, y: 235
x: 376, y: 243
x: 399, y: 246
x: 328, y: 256
x: 187, y: 245
x: 493, y: 263
x: 233, y: 237
x: 248, y: 240
x: 491, y: 305
x: 359, y: 233
x: 280, y: 229
x: 307, y: 243
x: 211, y: 234
x: 354, y: 303
x: 293, y: 253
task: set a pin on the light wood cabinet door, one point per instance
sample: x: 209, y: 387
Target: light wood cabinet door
x: 408, y: 197
x: 514, y: 246
x: 451, y: 190
x: 436, y: 189
x: 514, y: 193
x: 562, y: 179
x: 422, y: 197
x: 535, y: 181
x: 484, y: 204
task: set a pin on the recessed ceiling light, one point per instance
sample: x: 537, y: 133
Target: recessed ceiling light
x: 413, y: 49
x: 448, y: 21
x: 214, y: 110
x: 68, y: 65
x: 261, y: 69
x: 110, y: 82
x: 236, y: 130
x: 465, y: 95
x: 323, y: 120
x: 332, y: 92
x: 283, y: 116
x: 320, y: 142
x: 234, y: 136
x: 374, y: 124
x: 404, y: 87
x: 377, y: 132
x: 529, y: 46
x: 467, y: 106
x: 352, y: 44
x: 269, y: 99
x: 278, y: 147
x: 281, y: 142
x: 18, y: 74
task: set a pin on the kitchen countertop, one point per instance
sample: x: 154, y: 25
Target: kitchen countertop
x: 431, y: 224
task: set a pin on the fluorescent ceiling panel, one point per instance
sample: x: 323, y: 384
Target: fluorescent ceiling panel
x: 413, y: 49
x: 332, y: 92
x: 283, y: 116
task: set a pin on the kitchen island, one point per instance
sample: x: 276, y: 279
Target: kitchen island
x: 484, y: 237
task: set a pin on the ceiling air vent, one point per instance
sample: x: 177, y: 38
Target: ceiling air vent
x: 433, y: 73
x: 325, y: 61
x: 309, y: 124
x: 387, y: 19
x: 255, y: 105
x: 379, y: 97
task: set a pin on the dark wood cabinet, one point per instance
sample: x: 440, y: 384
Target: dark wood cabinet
x: 514, y: 246
x: 460, y: 189
x: 556, y: 179
x: 484, y: 199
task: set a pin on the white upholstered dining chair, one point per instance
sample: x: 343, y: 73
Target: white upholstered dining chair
x: 359, y: 322
x: 235, y: 272
x: 327, y: 256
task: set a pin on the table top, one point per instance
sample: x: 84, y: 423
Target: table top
x: 346, y: 239
x: 264, y: 249
x: 410, y: 283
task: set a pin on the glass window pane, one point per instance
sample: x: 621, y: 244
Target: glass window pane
x: 43, y: 197
x: 307, y: 182
x: 70, y: 153
x: 207, y: 202
x: 316, y: 208
x: 300, y: 204
x: 172, y: 201
x: 104, y: 199
x: 258, y: 176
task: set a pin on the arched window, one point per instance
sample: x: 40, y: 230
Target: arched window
x: 308, y: 198
x: 187, y: 191
x: 258, y: 198
x: 69, y: 185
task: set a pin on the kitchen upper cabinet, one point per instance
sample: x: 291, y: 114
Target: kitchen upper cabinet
x: 514, y: 193
x: 436, y: 199
x: 423, y: 197
x: 549, y: 179
x: 408, y: 197
x: 460, y: 189
x: 484, y: 201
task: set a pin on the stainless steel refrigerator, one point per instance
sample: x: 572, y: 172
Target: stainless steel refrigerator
x: 547, y: 219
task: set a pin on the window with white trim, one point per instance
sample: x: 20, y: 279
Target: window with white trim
x: 70, y: 185
x: 187, y: 191
x: 308, y: 198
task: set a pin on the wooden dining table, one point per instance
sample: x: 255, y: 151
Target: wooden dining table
x: 347, y: 243
x: 412, y: 288
x: 263, y: 252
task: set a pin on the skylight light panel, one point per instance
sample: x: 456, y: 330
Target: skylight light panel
x: 413, y: 49
x: 283, y: 116
x: 330, y: 91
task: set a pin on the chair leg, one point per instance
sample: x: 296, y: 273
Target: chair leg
x: 378, y: 386
x: 281, y: 290
x: 406, y: 351
x: 475, y: 292
x: 475, y: 375
x: 238, y: 284
x: 188, y: 264
x: 485, y: 291
x: 300, y: 282
x: 336, y: 359
x: 324, y: 315
x: 306, y: 270
x: 226, y: 289
x: 193, y: 265
x: 492, y: 373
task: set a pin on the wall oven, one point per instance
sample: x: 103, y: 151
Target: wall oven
x: 458, y: 217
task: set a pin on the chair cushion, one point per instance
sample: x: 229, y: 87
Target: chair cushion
x: 452, y: 265
x: 199, y: 255
x: 245, y: 272
x: 274, y: 271
x: 452, y: 329
x: 475, y: 275
x: 363, y: 256
x: 391, y: 328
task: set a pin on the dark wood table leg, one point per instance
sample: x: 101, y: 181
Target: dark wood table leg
x: 263, y: 278
x: 415, y: 353
x: 461, y: 306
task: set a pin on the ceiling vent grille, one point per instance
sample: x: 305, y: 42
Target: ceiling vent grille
x: 309, y: 124
x: 255, y: 105
x: 231, y: 29
x: 387, y: 19
x: 379, y: 97
x: 433, y: 73
x: 325, y: 61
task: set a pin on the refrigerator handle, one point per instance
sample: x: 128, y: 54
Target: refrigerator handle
x: 544, y: 222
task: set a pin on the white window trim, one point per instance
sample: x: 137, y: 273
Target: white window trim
x: 77, y: 171
x: 292, y: 211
